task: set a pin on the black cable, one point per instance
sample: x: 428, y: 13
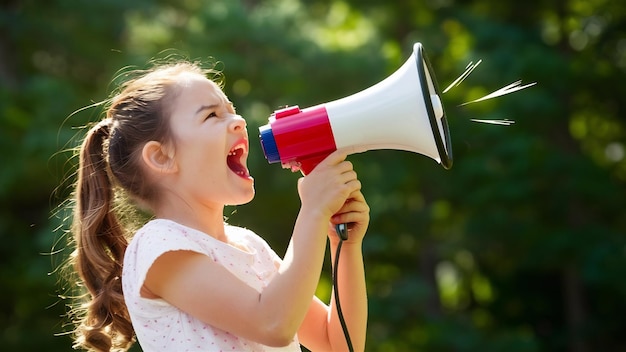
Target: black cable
x: 342, y: 232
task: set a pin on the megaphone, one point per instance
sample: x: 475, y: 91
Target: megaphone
x: 402, y: 112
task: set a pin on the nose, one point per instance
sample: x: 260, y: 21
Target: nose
x: 238, y: 123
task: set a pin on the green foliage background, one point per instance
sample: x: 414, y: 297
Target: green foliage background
x: 521, y: 246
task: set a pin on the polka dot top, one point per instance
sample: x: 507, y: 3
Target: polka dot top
x: 161, y: 327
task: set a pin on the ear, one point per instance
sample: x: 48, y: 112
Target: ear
x: 159, y: 158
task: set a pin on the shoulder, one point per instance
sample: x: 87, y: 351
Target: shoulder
x: 250, y: 239
x: 158, y: 237
x: 159, y: 228
x: 165, y: 233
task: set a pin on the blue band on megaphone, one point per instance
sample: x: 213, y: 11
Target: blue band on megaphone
x: 269, y: 144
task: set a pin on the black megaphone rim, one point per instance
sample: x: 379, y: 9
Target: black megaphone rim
x: 444, y: 146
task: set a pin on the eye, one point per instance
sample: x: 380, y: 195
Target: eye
x: 211, y: 114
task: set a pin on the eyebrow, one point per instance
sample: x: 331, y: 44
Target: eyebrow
x: 206, y: 107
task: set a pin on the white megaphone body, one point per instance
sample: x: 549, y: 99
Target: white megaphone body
x: 402, y: 112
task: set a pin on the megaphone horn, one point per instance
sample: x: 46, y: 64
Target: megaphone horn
x: 402, y: 112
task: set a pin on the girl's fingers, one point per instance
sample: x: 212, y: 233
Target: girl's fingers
x: 350, y: 177
x: 355, y: 204
x: 341, y: 154
x: 334, y: 158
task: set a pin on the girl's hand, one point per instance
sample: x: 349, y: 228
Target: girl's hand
x: 329, y: 185
x: 356, y: 213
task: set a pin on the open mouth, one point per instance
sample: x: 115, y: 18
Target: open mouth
x: 234, y: 160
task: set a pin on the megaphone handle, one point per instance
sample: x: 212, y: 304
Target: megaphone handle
x: 342, y: 231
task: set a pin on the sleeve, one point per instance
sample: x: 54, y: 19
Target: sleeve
x: 151, y: 242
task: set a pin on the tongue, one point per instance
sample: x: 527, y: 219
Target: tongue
x: 235, y: 165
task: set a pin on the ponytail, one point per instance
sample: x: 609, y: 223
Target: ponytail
x: 111, y: 151
x: 100, y: 247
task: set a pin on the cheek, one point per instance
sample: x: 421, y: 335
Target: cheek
x: 203, y: 159
x: 200, y: 150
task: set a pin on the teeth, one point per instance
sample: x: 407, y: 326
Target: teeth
x: 235, y: 149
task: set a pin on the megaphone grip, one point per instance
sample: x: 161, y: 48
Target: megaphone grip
x: 342, y: 231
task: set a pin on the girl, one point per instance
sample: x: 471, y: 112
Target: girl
x: 172, y: 141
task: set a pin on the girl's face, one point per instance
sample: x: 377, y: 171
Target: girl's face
x: 210, y: 146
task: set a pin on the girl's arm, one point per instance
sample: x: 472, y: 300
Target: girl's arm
x: 321, y: 330
x: 195, y: 284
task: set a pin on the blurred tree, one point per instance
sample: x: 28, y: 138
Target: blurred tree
x: 51, y: 58
x: 527, y: 209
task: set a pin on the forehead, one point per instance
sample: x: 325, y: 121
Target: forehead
x: 193, y: 92
x: 197, y: 86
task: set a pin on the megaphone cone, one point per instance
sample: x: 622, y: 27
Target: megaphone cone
x: 402, y: 112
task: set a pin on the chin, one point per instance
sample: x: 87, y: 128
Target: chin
x: 245, y: 199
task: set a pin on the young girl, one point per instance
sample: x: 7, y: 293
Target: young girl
x: 172, y: 141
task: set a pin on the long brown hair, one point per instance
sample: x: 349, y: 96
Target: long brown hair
x: 109, y: 161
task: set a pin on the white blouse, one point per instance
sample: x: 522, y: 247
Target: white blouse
x: 161, y: 327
